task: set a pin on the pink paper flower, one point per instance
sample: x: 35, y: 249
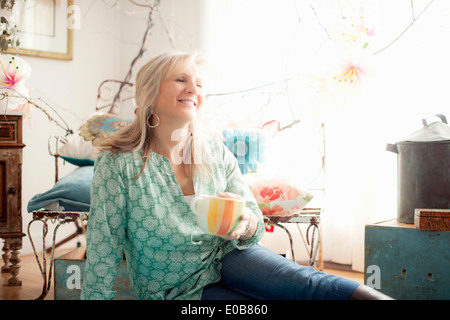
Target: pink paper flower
x: 353, y: 72
x: 14, y: 71
x: 356, y: 23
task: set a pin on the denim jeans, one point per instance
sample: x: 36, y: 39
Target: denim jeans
x: 260, y: 274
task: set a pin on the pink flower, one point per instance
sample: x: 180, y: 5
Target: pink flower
x: 10, y: 75
x: 346, y: 72
x: 14, y: 71
x: 352, y: 73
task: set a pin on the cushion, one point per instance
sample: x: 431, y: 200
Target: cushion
x: 72, y: 192
x: 102, y: 125
x: 79, y: 148
x: 78, y: 162
x: 250, y: 145
x: 277, y: 196
x: 77, y: 151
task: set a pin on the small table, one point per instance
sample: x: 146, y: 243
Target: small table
x: 59, y: 217
x: 310, y: 216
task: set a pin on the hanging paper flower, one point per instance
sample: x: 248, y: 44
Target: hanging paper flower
x: 344, y: 71
x: 14, y: 71
x: 355, y: 24
x: 352, y: 73
x: 356, y: 31
x: 353, y: 68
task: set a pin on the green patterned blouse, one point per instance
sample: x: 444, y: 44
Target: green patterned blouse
x: 148, y: 219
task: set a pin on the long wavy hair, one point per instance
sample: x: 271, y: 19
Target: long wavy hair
x: 138, y: 135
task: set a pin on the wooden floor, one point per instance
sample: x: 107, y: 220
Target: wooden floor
x: 32, y: 281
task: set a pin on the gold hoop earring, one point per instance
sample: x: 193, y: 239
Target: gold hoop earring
x: 149, y: 121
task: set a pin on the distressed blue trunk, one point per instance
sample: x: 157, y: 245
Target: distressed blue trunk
x: 412, y: 264
x: 69, y: 275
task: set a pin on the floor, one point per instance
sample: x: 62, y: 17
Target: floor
x: 32, y: 282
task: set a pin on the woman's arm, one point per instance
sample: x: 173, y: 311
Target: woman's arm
x: 105, y: 231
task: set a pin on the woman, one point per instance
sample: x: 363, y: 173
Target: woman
x: 143, y: 180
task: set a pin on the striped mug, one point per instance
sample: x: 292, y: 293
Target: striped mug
x: 217, y: 215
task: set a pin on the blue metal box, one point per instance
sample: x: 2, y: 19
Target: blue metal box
x: 69, y: 275
x: 412, y: 264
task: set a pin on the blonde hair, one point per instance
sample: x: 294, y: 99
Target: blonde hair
x: 138, y: 135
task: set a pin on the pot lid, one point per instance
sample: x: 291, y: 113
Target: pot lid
x: 434, y: 131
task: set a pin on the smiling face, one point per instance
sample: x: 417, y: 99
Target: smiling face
x: 180, y: 96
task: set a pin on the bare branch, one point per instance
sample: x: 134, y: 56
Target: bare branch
x: 250, y: 89
x: 141, y: 52
x: 166, y: 28
x: 290, y: 125
x: 29, y: 100
x: 140, y: 4
x: 318, y: 21
x: 406, y: 29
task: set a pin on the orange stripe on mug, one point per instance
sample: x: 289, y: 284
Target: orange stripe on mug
x: 238, y: 208
x: 228, y: 213
x: 221, y: 209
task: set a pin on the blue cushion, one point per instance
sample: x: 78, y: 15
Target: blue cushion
x: 78, y: 162
x: 71, y: 192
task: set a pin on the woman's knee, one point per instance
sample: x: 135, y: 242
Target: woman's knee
x: 267, y: 275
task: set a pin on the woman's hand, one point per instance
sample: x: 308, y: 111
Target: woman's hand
x: 245, y: 226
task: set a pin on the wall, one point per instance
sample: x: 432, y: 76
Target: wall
x: 176, y: 27
x: 70, y: 86
x: 104, y: 46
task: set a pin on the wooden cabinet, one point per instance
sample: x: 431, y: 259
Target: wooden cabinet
x: 11, y: 193
x: 406, y: 262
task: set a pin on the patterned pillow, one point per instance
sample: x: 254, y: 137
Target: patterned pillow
x: 277, y: 196
x: 79, y: 147
x: 77, y: 151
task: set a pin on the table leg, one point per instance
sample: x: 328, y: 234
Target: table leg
x: 6, y: 255
x: 15, y: 244
x: 291, y: 242
x: 46, y: 277
x: 11, y: 258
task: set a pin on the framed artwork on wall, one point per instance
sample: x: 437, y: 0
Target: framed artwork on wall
x: 43, y: 29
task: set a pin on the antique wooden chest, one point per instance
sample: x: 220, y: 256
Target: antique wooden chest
x: 412, y: 263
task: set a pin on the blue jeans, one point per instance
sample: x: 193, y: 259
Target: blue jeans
x: 261, y: 274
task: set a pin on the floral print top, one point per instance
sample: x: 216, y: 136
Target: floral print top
x: 148, y: 219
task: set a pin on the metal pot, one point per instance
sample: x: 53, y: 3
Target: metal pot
x: 423, y: 165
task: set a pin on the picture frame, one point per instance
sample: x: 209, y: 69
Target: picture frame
x: 42, y: 29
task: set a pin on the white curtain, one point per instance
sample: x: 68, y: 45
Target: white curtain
x: 302, y: 48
